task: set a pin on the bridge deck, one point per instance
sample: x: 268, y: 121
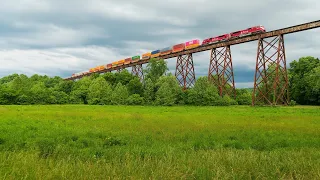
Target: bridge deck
x: 287, y: 30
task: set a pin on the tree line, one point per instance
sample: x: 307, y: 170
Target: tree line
x: 158, y: 88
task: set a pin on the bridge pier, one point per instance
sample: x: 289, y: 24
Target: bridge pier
x: 185, y: 71
x: 138, y: 71
x: 271, y: 79
x: 221, y: 71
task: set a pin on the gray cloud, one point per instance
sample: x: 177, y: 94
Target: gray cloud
x: 58, y: 37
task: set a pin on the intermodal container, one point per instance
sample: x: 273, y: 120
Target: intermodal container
x: 146, y: 55
x: 96, y: 69
x: 109, y: 66
x: 101, y: 68
x: 166, y: 51
x: 127, y: 61
x: 115, y: 64
x: 192, y: 44
x: 91, y: 70
x: 178, y: 47
x: 155, y: 53
x: 121, y: 62
x: 135, y: 58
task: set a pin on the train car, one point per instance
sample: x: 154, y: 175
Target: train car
x: 155, y: 53
x: 136, y: 58
x: 248, y: 31
x: 109, y: 66
x: 166, y: 51
x: 121, y: 62
x: 217, y: 39
x: 146, y: 55
x: 101, y: 68
x: 83, y: 73
x: 128, y: 61
x: 253, y: 30
x: 178, y: 47
x: 115, y: 64
x: 91, y: 70
x: 192, y: 44
x: 96, y: 69
x: 235, y: 34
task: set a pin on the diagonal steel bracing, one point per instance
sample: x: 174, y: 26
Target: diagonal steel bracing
x: 221, y: 71
x: 138, y: 71
x: 271, y: 79
x: 185, y: 71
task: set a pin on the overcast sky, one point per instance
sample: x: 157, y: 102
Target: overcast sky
x: 58, y: 37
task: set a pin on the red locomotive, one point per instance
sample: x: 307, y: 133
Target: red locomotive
x: 236, y: 34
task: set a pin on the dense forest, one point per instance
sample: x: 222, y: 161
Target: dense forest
x: 159, y: 88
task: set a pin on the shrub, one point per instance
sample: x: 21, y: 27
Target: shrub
x: 135, y: 99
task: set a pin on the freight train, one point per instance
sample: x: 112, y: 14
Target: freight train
x: 177, y: 48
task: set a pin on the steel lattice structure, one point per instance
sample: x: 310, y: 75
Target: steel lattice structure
x: 274, y: 33
x: 221, y: 71
x: 138, y: 71
x: 271, y: 80
x: 185, y: 71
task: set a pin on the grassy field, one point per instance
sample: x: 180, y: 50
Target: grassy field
x: 117, y: 142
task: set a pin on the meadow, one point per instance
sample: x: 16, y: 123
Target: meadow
x: 136, y: 142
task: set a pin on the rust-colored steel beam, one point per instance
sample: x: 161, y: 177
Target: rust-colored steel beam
x: 185, y: 71
x: 288, y: 30
x: 138, y: 71
x: 221, y: 71
x: 271, y: 79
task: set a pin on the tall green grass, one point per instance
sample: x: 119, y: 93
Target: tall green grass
x: 89, y: 142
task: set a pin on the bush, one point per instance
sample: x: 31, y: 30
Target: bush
x: 292, y: 103
x: 243, y: 97
x: 135, y: 99
x: 226, y: 101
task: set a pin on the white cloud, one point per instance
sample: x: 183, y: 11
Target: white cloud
x: 58, y: 36
x: 55, y: 61
x: 244, y: 85
x: 51, y: 35
x: 25, y: 6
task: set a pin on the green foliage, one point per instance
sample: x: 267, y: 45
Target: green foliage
x: 117, y: 142
x: 124, y: 77
x: 305, y: 80
x: 158, y: 88
x: 119, y: 95
x: 99, y: 92
x: 135, y: 99
x: 244, y: 97
x: 204, y: 93
x: 110, y: 78
x: 155, y: 69
x: 46, y: 147
x: 65, y: 86
x: 168, y: 91
x: 135, y: 86
x: 292, y: 103
x: 149, y: 91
